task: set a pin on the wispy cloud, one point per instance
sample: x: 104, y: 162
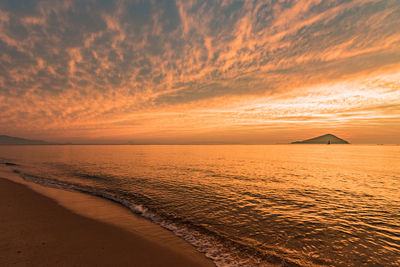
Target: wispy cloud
x: 126, y: 69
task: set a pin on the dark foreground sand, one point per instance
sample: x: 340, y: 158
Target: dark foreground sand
x: 36, y: 231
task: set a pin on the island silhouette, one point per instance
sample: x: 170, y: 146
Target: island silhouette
x: 323, y: 139
x: 11, y: 140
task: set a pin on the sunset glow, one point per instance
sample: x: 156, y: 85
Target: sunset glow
x: 183, y: 72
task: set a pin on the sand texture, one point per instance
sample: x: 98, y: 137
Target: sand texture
x: 36, y: 231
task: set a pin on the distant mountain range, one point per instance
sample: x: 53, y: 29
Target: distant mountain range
x: 323, y: 139
x: 10, y: 140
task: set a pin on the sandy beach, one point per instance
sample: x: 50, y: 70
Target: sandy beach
x: 36, y: 230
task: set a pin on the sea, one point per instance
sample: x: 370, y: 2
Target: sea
x: 243, y: 205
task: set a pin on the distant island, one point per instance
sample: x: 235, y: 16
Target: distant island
x: 10, y: 140
x: 323, y: 139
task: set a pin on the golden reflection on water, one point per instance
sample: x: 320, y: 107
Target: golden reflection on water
x: 307, y: 204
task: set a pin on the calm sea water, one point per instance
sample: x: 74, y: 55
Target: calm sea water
x: 244, y: 205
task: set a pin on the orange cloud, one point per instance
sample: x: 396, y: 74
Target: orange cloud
x: 195, y: 70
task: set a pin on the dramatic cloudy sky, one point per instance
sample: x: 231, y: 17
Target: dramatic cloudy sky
x: 214, y: 71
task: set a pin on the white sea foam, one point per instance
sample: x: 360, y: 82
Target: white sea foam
x: 220, y: 254
x: 237, y: 204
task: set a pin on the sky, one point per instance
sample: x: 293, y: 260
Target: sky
x: 197, y: 72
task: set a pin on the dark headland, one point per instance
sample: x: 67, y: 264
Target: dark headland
x: 10, y: 140
x: 323, y: 139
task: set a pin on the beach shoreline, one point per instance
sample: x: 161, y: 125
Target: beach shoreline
x: 47, y: 227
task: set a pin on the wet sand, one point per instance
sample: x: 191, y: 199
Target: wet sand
x: 36, y: 230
